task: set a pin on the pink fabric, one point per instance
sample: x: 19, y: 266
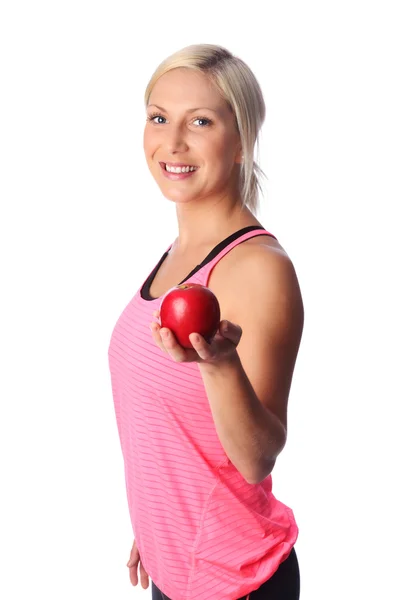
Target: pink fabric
x: 202, y: 531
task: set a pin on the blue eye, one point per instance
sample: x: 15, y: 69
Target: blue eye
x: 206, y: 121
x: 155, y: 116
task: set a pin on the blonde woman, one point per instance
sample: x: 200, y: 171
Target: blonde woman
x: 201, y: 428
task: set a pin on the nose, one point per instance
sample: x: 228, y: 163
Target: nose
x: 176, y: 140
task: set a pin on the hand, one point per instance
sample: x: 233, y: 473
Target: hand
x: 132, y: 564
x: 222, y: 347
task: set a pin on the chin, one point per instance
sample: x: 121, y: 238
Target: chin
x: 179, y: 196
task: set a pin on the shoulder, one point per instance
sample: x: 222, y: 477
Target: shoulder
x: 257, y: 270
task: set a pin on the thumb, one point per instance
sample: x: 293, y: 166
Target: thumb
x: 230, y: 331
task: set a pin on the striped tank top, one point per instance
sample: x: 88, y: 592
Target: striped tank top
x: 203, y: 532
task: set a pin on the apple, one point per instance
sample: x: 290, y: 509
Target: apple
x: 190, y: 308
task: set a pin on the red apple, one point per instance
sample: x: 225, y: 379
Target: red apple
x: 190, y: 308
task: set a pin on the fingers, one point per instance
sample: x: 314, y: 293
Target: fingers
x: 222, y: 345
x: 170, y: 345
x: 144, y: 578
x: 200, y: 345
x: 133, y: 575
x: 225, y: 341
x: 133, y: 563
x: 231, y: 331
x: 167, y: 342
x: 155, y: 332
x: 134, y: 555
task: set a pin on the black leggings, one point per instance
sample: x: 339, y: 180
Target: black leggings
x: 283, y: 585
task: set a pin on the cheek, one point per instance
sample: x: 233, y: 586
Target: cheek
x: 223, y: 148
x: 214, y: 151
x: 222, y: 160
x: 149, y: 141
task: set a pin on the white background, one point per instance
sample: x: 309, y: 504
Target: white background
x: 82, y: 224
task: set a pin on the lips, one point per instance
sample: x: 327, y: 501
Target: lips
x: 171, y: 164
x: 177, y: 176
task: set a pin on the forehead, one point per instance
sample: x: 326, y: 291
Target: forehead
x: 185, y: 88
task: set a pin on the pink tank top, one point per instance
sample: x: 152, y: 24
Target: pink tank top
x: 202, y: 531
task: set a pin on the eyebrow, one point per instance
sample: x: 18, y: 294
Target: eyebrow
x: 188, y: 111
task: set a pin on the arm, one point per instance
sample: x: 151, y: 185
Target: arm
x: 248, y: 394
x: 252, y: 436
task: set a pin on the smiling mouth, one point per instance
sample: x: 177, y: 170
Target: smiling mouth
x: 178, y: 169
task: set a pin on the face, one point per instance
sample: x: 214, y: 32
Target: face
x: 189, y: 124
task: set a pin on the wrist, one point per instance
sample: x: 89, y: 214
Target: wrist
x: 222, y: 366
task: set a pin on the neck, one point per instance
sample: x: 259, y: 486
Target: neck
x: 205, y: 223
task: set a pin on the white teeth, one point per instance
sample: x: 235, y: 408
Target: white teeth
x: 179, y: 169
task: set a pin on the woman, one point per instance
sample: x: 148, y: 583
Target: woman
x: 201, y: 428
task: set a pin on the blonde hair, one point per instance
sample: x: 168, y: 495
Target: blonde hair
x: 238, y: 85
